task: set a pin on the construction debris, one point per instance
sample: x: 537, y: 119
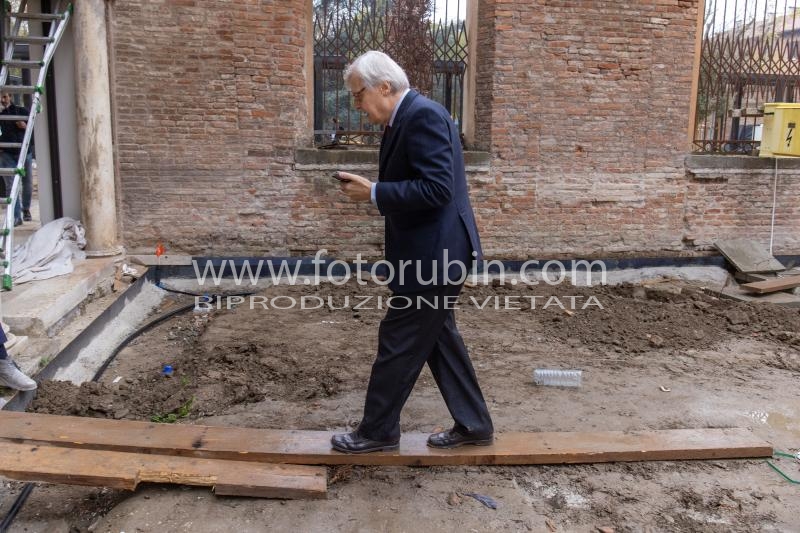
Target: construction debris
x: 762, y: 276
x: 748, y: 256
x: 485, y: 500
x: 774, y: 285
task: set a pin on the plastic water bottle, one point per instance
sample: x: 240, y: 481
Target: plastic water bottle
x: 554, y: 377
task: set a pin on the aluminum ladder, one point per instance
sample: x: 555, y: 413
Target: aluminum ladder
x: 58, y: 22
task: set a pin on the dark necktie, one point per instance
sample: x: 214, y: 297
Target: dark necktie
x: 385, y: 137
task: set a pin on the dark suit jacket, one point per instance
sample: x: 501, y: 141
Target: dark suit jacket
x: 422, y: 193
x: 10, y: 133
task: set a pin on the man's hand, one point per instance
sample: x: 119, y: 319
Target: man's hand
x: 356, y: 187
x: 22, y: 125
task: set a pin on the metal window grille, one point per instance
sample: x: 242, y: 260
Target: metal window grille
x: 345, y: 29
x: 750, y: 55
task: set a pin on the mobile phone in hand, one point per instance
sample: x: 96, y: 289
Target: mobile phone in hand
x: 339, y: 177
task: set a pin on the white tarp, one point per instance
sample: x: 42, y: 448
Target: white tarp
x: 49, y: 252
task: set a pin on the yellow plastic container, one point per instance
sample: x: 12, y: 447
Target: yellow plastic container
x: 781, y: 133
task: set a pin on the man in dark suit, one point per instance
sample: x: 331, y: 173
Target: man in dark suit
x: 431, y: 241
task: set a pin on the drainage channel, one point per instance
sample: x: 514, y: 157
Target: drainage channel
x: 70, y: 355
x: 64, y: 359
x: 241, y: 268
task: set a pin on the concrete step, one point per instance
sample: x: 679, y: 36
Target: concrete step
x: 35, y: 354
x: 66, y: 319
x: 41, y: 308
x: 18, y: 346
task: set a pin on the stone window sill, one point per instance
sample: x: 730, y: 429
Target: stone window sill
x: 695, y: 162
x: 313, y: 159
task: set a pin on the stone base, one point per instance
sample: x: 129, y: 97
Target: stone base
x: 108, y: 252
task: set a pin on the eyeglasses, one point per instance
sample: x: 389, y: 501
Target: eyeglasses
x: 359, y: 95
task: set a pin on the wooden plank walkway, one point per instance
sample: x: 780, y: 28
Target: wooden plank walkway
x: 313, y: 447
x: 120, y: 470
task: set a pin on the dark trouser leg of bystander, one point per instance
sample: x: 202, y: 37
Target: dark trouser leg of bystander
x: 7, y: 160
x: 3, y: 339
x: 27, y: 189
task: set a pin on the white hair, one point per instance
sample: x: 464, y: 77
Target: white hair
x: 375, y: 67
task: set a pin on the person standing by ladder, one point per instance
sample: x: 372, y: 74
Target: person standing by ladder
x: 14, y: 132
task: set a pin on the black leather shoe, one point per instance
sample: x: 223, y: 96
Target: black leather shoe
x: 453, y: 439
x: 26, y: 215
x: 355, y: 443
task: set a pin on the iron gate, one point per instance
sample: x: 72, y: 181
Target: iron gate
x: 428, y: 38
x: 749, y: 56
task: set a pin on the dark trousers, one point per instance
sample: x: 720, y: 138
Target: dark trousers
x: 409, y: 338
x: 3, y: 339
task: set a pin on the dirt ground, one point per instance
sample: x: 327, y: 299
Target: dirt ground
x: 660, y: 356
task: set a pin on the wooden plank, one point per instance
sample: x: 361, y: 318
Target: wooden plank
x: 773, y: 285
x: 744, y: 277
x: 735, y: 292
x: 313, y: 447
x: 748, y: 256
x: 120, y: 470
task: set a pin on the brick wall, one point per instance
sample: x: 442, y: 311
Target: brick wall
x: 209, y: 106
x: 733, y: 196
x: 585, y: 115
x: 582, y: 106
